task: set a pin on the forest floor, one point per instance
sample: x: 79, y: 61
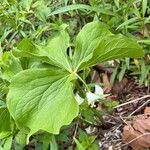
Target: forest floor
x: 126, y: 126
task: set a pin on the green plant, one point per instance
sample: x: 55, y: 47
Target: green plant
x: 43, y: 80
x: 86, y: 142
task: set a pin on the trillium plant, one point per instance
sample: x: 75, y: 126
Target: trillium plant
x: 42, y: 78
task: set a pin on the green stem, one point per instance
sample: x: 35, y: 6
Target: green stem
x: 82, y: 81
x: 80, y: 89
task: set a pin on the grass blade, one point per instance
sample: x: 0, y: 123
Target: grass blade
x: 70, y: 8
x: 130, y: 21
x: 144, y: 7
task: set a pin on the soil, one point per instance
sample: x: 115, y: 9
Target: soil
x: 128, y: 90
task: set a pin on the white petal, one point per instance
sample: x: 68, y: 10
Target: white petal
x: 79, y: 99
x: 91, y: 97
x: 111, y: 62
x: 98, y: 90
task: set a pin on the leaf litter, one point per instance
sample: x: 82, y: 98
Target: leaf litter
x: 137, y: 132
x: 118, y: 133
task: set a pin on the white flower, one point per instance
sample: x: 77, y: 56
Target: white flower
x: 98, y: 90
x: 111, y: 62
x: 93, y: 97
x: 79, y: 99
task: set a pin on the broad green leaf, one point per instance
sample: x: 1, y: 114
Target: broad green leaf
x: 1, y: 148
x: 20, y: 140
x: 2, y: 104
x: 8, y: 143
x: 54, y: 52
x: 79, y: 145
x: 57, y: 51
x: 86, y: 140
x: 114, y: 47
x: 10, y: 66
x: 26, y: 48
x: 47, y: 140
x: 96, y: 44
x: 53, y: 143
x: 87, y: 41
x: 5, y: 125
x: 42, y: 99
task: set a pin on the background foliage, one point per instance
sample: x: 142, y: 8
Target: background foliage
x: 40, y: 19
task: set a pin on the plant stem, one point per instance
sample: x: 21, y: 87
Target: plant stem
x: 87, y: 88
x: 80, y: 89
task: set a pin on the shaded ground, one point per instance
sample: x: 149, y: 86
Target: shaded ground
x: 138, y: 96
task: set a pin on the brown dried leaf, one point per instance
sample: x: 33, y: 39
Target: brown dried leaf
x: 130, y: 134
x: 142, y: 124
x: 119, y: 87
x: 138, y: 132
x: 106, y: 82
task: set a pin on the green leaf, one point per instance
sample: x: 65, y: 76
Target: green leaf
x: 144, y: 7
x: 5, y: 125
x: 57, y: 50
x: 87, y: 41
x: 1, y: 148
x: 114, y: 47
x: 54, y: 52
x: 8, y: 143
x: 44, y: 100
x: 136, y: 11
x: 20, y: 140
x: 86, y: 140
x: 53, y: 143
x: 26, y: 48
x: 70, y: 8
x: 10, y: 65
x: 79, y: 145
x: 122, y: 72
x: 42, y: 10
x: 96, y: 44
x: 117, y: 3
x: 128, y: 22
x: 26, y: 4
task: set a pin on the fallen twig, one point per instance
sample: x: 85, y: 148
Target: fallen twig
x: 132, y: 101
x: 139, y: 108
